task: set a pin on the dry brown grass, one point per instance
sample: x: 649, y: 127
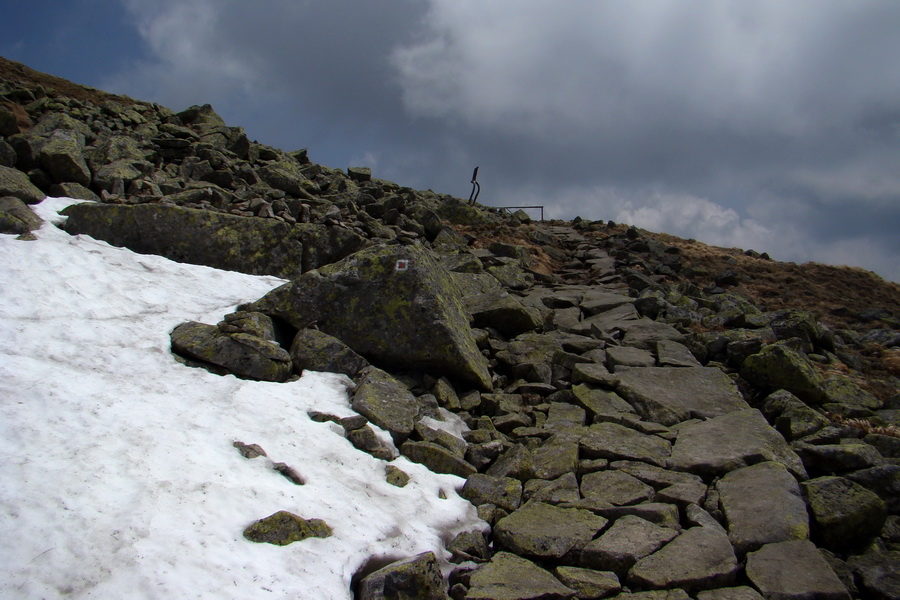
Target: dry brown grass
x: 55, y: 86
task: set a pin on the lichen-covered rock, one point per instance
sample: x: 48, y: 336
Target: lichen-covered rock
x: 15, y: 183
x: 396, y: 476
x: 878, y: 573
x: 416, y: 578
x: 510, y: 577
x: 504, y: 492
x: 821, y: 459
x: 317, y: 351
x: 739, y: 439
x: 394, y: 305
x: 546, y: 531
x: 502, y: 312
x: 62, y: 157
x: 883, y: 480
x: 741, y: 592
x: 840, y: 389
x: 615, y: 487
x: 845, y: 515
x: 365, y: 439
x: 672, y: 395
x: 699, y: 558
x: 385, y: 402
x: 587, y: 583
x: 287, y: 176
x: 283, y: 528
x: 763, y: 505
x: 516, y: 462
x: 628, y: 540
x: 224, y: 241
x: 616, y: 442
x: 437, y: 458
x: 244, y: 355
x: 791, y: 417
x: 794, y: 570
x: 16, y: 217
x: 469, y: 545
x: 778, y: 367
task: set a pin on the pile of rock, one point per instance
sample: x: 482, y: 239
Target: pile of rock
x: 623, y: 432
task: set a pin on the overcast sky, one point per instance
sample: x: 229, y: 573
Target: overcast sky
x: 772, y: 125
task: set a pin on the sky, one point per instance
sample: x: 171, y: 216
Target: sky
x: 770, y: 125
x: 118, y: 475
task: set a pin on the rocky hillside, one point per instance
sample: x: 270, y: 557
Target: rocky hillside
x: 646, y: 416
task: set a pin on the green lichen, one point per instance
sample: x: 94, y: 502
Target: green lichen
x: 283, y: 528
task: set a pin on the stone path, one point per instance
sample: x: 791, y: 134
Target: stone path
x: 610, y: 461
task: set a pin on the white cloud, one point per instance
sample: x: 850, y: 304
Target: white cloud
x: 743, y: 117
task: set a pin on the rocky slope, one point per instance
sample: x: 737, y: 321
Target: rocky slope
x: 647, y: 416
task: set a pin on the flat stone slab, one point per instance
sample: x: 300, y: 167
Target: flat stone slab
x: 673, y: 354
x: 763, y: 505
x: 615, y: 487
x: 511, y: 577
x: 741, y: 592
x: 545, y: 531
x: 616, y: 442
x: 700, y: 558
x: 739, y: 439
x: 588, y: 583
x: 627, y: 541
x: 627, y: 356
x: 794, y: 571
x: 671, y: 395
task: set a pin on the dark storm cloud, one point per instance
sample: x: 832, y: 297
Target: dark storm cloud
x: 768, y: 124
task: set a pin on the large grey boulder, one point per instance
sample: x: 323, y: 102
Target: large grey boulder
x: 223, y: 241
x: 62, y: 157
x: 884, y: 480
x: 672, y: 395
x: 394, y: 305
x: 545, y: 531
x: 794, y: 570
x: 246, y: 356
x: 502, y: 312
x: 762, y: 504
x: 510, y: 577
x: 16, y: 217
x: 837, y: 458
x: 791, y: 417
x: 739, y: 439
x: 778, y: 367
x: 15, y: 183
x: 416, y: 578
x: 628, y: 540
x: 385, y: 402
x: 699, y: 558
x: 288, y: 177
x: 845, y: 514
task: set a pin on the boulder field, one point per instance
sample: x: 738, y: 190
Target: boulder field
x: 623, y: 431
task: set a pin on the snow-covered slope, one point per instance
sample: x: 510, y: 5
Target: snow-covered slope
x: 117, y: 473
